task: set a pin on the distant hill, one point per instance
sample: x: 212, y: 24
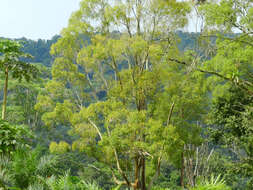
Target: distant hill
x: 40, y: 49
x: 187, y: 40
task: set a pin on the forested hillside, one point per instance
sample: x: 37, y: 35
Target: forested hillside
x: 123, y: 99
x: 40, y: 49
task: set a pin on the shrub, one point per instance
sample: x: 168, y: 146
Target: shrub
x: 12, y: 136
x: 212, y: 184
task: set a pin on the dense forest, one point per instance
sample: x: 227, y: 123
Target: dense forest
x: 123, y: 99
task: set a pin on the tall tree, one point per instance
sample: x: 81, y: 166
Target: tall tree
x: 10, y: 62
x: 124, y: 67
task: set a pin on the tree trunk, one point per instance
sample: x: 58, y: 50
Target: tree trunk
x: 137, y: 174
x: 182, y: 170
x: 5, y: 94
x: 141, y: 105
x: 143, y: 174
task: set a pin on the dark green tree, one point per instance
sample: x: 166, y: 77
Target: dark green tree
x: 10, y: 62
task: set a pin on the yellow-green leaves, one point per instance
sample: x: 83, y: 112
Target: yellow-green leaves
x: 121, y: 64
x: 228, y: 15
x: 45, y: 103
x: 61, y: 114
x: 59, y: 148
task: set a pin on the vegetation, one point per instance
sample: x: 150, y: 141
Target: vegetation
x: 125, y: 100
x: 10, y: 62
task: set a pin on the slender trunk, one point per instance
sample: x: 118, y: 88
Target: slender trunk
x: 141, y: 105
x: 5, y: 94
x: 143, y: 174
x: 182, y: 158
x: 182, y: 170
x: 137, y: 174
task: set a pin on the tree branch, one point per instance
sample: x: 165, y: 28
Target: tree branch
x: 170, y: 113
x: 95, y: 126
x: 243, y: 85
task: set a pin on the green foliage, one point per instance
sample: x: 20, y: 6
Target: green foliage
x: 228, y: 113
x: 214, y: 183
x: 231, y: 120
x: 12, y: 136
x: 26, y: 167
x: 22, y: 97
x: 116, y: 188
x: 128, y: 128
x: 232, y: 59
x: 10, y: 58
x: 10, y: 62
x: 62, y: 147
x: 228, y: 70
x: 98, y: 172
x: 40, y: 49
x: 160, y: 188
x: 133, y: 102
x: 169, y: 177
x: 5, y: 167
x: 69, y: 183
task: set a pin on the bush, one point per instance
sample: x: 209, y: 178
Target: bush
x: 12, y: 136
x: 213, y: 184
x: 69, y: 182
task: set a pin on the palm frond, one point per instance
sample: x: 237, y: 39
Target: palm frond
x: 46, y: 165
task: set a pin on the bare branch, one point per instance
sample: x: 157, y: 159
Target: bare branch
x: 170, y: 113
x: 118, y: 182
x: 95, y: 126
x: 244, y: 85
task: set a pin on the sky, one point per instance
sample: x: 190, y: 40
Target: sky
x: 35, y: 19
